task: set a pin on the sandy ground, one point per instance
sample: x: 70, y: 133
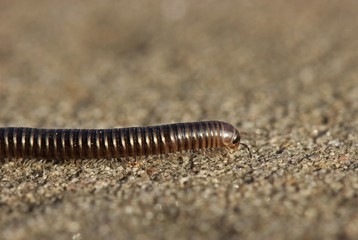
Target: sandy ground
x: 285, y: 73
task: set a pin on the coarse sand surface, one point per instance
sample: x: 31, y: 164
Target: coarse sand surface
x: 285, y: 73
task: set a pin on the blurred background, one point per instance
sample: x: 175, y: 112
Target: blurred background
x: 120, y: 63
x: 284, y: 72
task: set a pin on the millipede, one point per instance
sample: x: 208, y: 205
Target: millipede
x: 132, y: 142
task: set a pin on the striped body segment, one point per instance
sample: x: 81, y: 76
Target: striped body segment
x: 115, y: 143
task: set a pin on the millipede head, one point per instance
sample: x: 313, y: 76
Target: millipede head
x: 231, y: 137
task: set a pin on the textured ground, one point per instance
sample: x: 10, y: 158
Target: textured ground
x: 284, y: 73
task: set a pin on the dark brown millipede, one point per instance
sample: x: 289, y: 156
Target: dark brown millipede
x: 19, y: 142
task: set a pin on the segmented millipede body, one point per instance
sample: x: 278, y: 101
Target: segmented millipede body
x: 19, y: 142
